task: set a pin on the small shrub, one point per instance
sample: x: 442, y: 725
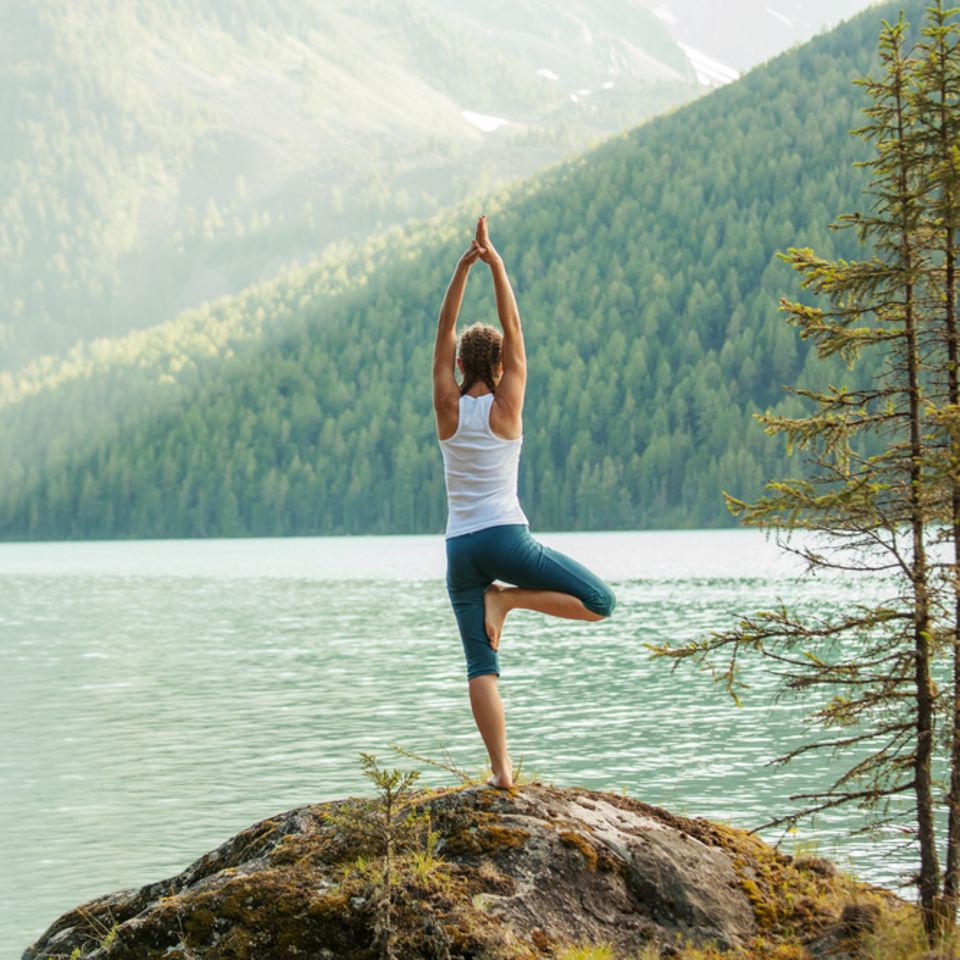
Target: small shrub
x: 602, y: 951
x: 397, y: 843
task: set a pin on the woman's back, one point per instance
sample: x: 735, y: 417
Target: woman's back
x: 480, y: 470
x: 488, y: 537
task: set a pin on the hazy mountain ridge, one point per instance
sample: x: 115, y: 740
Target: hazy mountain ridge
x: 750, y: 31
x: 161, y: 154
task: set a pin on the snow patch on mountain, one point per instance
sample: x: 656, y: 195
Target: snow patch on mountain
x: 483, y: 121
x: 710, y: 72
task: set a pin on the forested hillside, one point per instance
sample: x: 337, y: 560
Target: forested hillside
x: 648, y: 284
x: 159, y: 153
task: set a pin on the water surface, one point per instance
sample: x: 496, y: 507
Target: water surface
x: 159, y: 696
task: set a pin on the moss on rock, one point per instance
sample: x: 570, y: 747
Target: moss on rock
x: 590, y: 867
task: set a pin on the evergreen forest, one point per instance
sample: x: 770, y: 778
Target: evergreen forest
x: 648, y: 282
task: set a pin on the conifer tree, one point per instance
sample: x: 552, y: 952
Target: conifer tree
x: 883, y: 475
x: 937, y: 107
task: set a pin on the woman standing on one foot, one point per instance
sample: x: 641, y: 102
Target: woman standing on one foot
x: 480, y: 426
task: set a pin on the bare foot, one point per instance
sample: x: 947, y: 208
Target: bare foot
x: 502, y: 780
x: 494, y: 613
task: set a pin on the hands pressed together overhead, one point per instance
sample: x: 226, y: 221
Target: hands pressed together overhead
x: 480, y: 247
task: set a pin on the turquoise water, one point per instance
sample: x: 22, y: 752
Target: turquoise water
x: 158, y: 696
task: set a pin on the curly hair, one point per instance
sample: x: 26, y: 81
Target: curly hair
x: 479, y: 350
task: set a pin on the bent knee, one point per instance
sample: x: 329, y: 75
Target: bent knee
x: 603, y: 602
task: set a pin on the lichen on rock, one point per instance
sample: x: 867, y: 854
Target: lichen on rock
x: 506, y: 874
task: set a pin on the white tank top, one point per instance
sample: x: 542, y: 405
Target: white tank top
x: 480, y: 470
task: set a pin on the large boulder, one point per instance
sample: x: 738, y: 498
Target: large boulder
x: 495, y: 873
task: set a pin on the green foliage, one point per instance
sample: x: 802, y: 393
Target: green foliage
x: 446, y: 764
x: 385, y: 825
x: 645, y: 274
x: 111, y: 937
x: 396, y: 841
x: 886, y: 507
x: 587, y: 952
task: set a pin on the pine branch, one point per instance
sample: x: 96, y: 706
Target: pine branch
x: 846, y: 797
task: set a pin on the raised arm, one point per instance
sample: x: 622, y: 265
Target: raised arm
x: 446, y: 392
x: 513, y: 383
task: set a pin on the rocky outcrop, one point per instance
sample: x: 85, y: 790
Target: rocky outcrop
x: 490, y: 874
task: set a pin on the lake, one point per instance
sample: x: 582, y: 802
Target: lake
x: 159, y: 696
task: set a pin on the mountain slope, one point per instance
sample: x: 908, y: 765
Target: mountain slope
x: 647, y: 279
x: 159, y: 154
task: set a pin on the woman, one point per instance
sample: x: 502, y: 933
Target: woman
x: 480, y: 427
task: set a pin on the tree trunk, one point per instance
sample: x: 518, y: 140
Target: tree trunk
x: 942, y: 153
x: 926, y: 828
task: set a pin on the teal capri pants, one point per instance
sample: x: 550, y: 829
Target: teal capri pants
x: 510, y: 553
